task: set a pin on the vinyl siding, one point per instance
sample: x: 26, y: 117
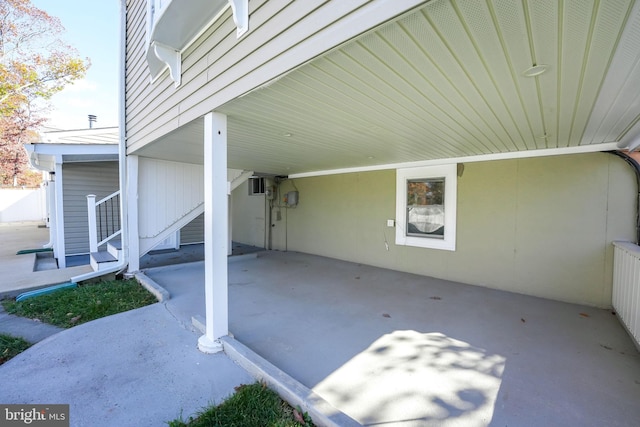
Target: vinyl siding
x: 168, y: 192
x: 218, y: 67
x: 80, y: 180
x: 193, y: 232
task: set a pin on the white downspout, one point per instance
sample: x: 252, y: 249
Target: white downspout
x: 51, y: 212
x: 59, y: 249
x: 50, y: 200
x: 122, y: 158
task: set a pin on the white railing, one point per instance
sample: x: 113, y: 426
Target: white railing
x: 104, y: 219
x: 626, y: 287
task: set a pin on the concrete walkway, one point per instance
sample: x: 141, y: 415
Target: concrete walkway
x: 396, y: 349
x: 16, y: 271
x: 28, y: 329
x: 138, y: 368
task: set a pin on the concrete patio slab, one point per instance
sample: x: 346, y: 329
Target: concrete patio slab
x: 396, y: 349
x: 16, y: 271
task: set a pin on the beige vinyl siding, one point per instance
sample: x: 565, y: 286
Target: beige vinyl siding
x: 193, y: 232
x: 540, y: 226
x: 218, y: 67
x: 79, y: 180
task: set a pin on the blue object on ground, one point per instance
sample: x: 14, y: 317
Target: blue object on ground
x: 45, y: 291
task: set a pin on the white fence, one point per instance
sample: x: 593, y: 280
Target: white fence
x: 626, y: 287
x: 18, y: 204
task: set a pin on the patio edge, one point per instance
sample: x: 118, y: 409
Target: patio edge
x: 161, y: 294
x: 322, y: 413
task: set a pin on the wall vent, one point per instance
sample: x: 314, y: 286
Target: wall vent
x: 256, y: 186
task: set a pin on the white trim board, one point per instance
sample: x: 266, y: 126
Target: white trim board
x: 593, y: 148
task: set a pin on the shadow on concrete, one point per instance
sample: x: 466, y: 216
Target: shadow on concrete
x: 390, y: 348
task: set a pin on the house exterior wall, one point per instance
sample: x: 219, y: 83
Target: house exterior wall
x: 193, y: 232
x: 218, y: 67
x: 539, y: 226
x: 248, y: 216
x: 80, y: 180
x: 168, y: 191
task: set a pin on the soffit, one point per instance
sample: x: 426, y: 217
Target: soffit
x: 444, y: 81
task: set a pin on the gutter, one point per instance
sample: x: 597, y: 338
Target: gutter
x: 122, y: 160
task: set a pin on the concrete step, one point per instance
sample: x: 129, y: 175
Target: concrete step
x: 114, y: 247
x: 45, y: 261
x: 102, y: 260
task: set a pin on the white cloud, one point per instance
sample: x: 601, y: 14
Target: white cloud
x: 70, y: 107
x: 80, y: 86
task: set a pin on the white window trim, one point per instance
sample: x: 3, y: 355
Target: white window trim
x: 449, y: 173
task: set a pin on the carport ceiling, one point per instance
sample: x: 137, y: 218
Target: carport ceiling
x: 447, y: 80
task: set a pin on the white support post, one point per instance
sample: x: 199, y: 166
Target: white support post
x: 51, y: 209
x: 230, y: 234
x: 216, y: 228
x: 59, y: 250
x: 93, y: 232
x: 132, y: 214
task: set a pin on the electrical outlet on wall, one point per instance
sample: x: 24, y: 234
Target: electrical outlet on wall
x: 391, y: 223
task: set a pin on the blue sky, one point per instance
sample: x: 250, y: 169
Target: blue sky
x: 92, y: 27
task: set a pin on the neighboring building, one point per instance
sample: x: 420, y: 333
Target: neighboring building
x: 79, y: 163
x: 457, y: 139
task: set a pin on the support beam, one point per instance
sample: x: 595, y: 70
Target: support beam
x: 59, y: 250
x: 216, y: 228
x: 52, y: 217
x: 93, y: 232
x: 132, y: 214
x: 230, y: 224
x: 240, y: 9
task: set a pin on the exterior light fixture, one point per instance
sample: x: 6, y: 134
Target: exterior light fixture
x: 535, y: 71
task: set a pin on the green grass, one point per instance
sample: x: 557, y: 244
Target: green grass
x: 252, y: 405
x: 71, y: 307
x: 11, y: 346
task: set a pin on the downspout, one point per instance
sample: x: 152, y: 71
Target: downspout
x: 122, y: 158
x: 636, y: 168
x: 30, y: 149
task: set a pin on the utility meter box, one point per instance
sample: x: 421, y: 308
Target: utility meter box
x: 291, y: 199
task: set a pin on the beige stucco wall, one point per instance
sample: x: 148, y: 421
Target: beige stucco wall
x: 539, y: 226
